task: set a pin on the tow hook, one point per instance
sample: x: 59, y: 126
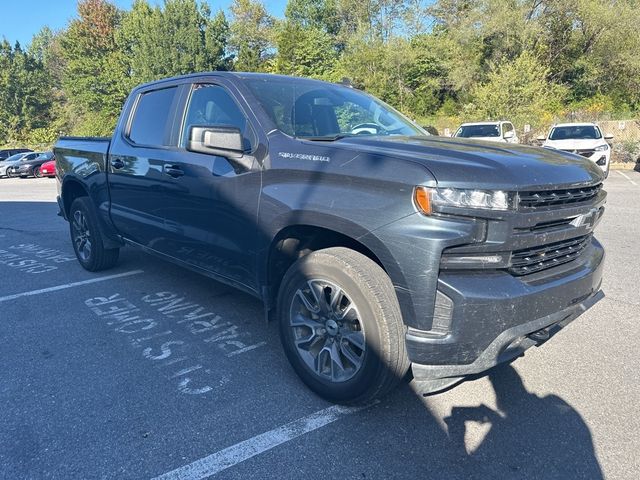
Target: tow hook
x: 540, y: 336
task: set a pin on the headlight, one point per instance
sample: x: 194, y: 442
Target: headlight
x: 602, y: 148
x: 429, y: 199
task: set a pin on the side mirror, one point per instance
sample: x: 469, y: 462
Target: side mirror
x: 608, y: 136
x: 508, y: 135
x: 541, y: 138
x: 219, y: 140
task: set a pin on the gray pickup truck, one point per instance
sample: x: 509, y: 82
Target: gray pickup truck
x: 377, y: 247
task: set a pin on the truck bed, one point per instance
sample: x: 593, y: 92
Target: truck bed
x: 83, y: 152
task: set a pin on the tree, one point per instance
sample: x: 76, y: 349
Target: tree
x: 93, y: 79
x: 25, y: 102
x: 517, y: 90
x: 174, y: 39
x: 307, y: 52
x: 306, y: 39
x: 251, y: 31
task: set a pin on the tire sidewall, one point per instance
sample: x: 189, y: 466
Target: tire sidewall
x: 308, y: 268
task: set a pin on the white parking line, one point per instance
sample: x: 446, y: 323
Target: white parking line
x: 625, y: 176
x: 68, y: 285
x: 219, y: 461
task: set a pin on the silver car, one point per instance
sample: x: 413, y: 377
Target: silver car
x: 14, y: 160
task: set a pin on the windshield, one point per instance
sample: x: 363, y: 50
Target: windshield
x: 45, y: 156
x: 470, y: 131
x: 316, y: 110
x: 577, y: 132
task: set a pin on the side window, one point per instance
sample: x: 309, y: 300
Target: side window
x: 506, y: 128
x: 151, y: 122
x: 211, y: 105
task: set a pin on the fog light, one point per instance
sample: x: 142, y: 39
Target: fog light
x: 602, y: 161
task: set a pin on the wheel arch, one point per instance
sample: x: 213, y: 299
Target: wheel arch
x: 73, y: 188
x: 297, y: 240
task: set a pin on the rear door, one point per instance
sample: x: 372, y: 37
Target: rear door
x: 143, y: 144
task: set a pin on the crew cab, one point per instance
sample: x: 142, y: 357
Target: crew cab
x: 375, y: 246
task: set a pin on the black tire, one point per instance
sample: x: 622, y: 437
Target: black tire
x: 84, y: 226
x: 36, y: 172
x: 370, y: 293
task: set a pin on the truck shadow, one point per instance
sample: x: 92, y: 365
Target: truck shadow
x: 527, y: 436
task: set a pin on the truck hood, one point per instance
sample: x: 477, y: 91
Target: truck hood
x: 463, y: 163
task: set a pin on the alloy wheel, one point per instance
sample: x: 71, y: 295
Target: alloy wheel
x: 81, y: 235
x: 327, y: 331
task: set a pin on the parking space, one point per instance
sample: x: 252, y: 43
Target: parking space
x: 150, y: 370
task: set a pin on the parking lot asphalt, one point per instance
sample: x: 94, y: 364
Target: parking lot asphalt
x: 149, y: 370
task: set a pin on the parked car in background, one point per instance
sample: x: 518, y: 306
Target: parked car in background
x: 48, y: 169
x: 584, y: 139
x: 490, y: 131
x: 30, y: 168
x: 14, y: 160
x: 8, y: 152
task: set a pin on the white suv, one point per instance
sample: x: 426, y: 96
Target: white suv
x: 490, y: 131
x: 585, y: 139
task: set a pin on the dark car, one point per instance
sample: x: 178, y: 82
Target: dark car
x: 376, y: 246
x: 8, y: 152
x: 30, y: 168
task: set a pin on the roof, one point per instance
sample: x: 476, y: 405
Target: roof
x: 484, y: 123
x: 576, y: 124
x: 237, y: 75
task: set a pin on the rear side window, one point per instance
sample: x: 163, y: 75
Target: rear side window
x: 506, y: 127
x: 151, y: 123
x: 212, y: 105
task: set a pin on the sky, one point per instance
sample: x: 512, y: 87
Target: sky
x: 21, y: 19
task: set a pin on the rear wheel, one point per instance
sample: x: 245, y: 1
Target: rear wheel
x: 36, y: 172
x: 87, y: 238
x: 341, y: 327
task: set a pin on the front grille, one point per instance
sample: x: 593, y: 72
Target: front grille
x: 548, y: 198
x: 531, y: 260
x: 583, y: 152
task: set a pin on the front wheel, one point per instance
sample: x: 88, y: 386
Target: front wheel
x: 341, y: 327
x: 87, y: 238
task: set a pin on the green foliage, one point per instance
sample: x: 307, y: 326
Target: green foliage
x: 518, y: 90
x: 92, y: 78
x: 440, y: 61
x: 305, y: 52
x: 251, y: 33
x: 24, y: 87
x: 175, y: 39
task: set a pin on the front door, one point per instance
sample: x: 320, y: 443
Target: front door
x: 211, y: 213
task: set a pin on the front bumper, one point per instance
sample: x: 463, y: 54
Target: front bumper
x: 496, y: 317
